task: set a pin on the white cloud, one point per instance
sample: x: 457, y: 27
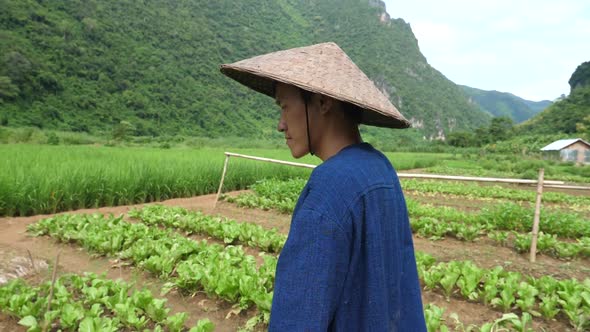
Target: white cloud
x: 582, y: 27
x: 507, y: 24
x: 433, y: 36
x: 434, y: 32
x: 526, y: 47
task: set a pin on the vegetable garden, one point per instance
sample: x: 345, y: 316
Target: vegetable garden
x: 184, y: 266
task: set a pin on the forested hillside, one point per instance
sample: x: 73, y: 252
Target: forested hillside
x: 570, y: 115
x: 505, y: 104
x: 153, y: 66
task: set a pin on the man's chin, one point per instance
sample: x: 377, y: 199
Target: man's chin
x: 298, y: 154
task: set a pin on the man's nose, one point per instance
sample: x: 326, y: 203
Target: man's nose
x: 282, y: 126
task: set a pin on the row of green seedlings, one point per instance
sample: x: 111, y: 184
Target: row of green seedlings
x: 474, y: 190
x: 65, y: 227
x: 548, y: 244
x: 227, y: 230
x: 435, y: 321
x: 508, y: 217
x: 271, y: 194
x: 506, y: 296
x: 544, y: 297
x: 90, y: 303
x: 436, y: 222
x: 282, y: 195
x: 186, y: 265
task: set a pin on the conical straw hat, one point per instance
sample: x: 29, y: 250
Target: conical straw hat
x: 321, y: 68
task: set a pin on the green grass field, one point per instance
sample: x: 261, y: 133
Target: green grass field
x: 37, y: 179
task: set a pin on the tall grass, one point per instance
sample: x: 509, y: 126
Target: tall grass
x: 38, y: 179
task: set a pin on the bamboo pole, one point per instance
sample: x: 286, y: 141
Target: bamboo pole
x: 417, y: 175
x: 222, y: 179
x: 32, y: 261
x: 268, y: 160
x: 566, y: 187
x: 533, y: 254
x: 476, y: 179
x: 53, y: 277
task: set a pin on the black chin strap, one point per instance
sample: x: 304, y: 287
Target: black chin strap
x: 308, y: 136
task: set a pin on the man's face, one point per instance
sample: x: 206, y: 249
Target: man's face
x: 292, y: 121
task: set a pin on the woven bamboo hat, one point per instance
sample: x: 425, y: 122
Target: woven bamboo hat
x: 321, y: 68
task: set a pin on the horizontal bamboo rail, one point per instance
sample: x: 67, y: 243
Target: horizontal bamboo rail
x: 282, y: 162
x: 409, y: 175
x: 567, y: 187
x: 546, y: 183
x: 476, y: 179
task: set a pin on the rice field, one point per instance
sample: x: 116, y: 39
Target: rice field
x: 41, y: 179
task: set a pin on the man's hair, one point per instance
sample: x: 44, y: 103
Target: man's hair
x: 353, y: 112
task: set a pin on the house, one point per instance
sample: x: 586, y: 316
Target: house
x: 573, y: 150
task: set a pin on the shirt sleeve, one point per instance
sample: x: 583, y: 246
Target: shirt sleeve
x: 310, y: 275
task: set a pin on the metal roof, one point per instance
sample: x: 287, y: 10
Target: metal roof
x: 562, y: 143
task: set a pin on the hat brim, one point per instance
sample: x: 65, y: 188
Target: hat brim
x: 264, y: 83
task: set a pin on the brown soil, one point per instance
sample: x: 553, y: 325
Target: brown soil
x: 73, y: 259
x: 18, y: 264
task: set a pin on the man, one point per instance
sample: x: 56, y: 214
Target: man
x: 348, y: 263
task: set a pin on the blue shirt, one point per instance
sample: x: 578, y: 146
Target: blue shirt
x: 348, y: 263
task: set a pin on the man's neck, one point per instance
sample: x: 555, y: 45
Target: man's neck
x: 330, y: 145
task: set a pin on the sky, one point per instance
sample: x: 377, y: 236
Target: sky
x: 529, y: 48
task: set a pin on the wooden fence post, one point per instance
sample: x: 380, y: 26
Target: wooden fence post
x: 222, y: 178
x: 533, y: 255
x: 53, y: 277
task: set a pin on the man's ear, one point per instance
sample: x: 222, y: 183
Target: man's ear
x: 326, y: 104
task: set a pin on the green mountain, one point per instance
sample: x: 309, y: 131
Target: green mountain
x: 569, y: 115
x: 93, y: 65
x: 581, y: 76
x: 537, y: 106
x: 505, y: 104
